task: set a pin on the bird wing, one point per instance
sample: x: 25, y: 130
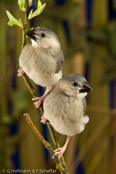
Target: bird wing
x: 84, y: 105
x: 58, y: 66
x: 59, y: 62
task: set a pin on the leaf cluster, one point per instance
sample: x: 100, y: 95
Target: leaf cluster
x: 32, y: 14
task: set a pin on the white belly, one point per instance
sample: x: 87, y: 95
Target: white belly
x: 44, y: 79
x: 63, y: 115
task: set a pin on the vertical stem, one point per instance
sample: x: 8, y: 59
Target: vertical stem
x: 25, y: 22
x: 26, y: 11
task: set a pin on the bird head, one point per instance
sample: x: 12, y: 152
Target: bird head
x: 74, y: 85
x: 43, y: 38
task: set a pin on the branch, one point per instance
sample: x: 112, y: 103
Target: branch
x: 47, y: 145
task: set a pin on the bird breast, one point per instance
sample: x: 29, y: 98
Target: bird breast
x: 65, y: 115
x: 39, y: 66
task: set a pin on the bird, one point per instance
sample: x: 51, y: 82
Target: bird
x: 65, y: 106
x: 42, y: 60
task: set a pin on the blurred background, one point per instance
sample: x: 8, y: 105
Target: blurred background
x: 87, y: 32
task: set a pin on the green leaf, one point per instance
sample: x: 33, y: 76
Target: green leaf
x: 20, y: 22
x: 39, y: 4
x: 30, y: 14
x: 21, y: 5
x: 10, y: 23
x: 37, y: 12
x: 13, y: 21
x: 40, y: 8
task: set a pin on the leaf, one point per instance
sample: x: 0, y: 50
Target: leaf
x: 37, y: 12
x: 13, y: 21
x: 10, y: 23
x: 20, y: 22
x: 39, y: 4
x: 21, y: 5
x: 30, y: 14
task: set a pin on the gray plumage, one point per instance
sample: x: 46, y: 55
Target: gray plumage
x: 65, y: 105
x: 42, y: 60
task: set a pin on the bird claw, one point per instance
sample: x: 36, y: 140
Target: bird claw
x: 59, y: 152
x: 20, y: 72
x: 38, y: 103
x: 43, y: 119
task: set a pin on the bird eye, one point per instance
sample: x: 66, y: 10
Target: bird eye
x: 43, y: 35
x: 36, y: 32
x: 75, y: 84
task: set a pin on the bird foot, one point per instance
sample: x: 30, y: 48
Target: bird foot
x: 59, y: 151
x: 43, y: 119
x: 40, y: 100
x: 20, y: 72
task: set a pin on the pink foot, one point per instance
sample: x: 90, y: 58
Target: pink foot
x: 20, y: 72
x: 60, y: 151
x: 40, y: 100
x: 43, y: 119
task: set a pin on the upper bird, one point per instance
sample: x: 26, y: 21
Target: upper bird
x: 42, y: 60
x: 65, y: 107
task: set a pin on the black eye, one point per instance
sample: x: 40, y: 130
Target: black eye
x: 43, y: 35
x: 36, y: 32
x: 75, y: 84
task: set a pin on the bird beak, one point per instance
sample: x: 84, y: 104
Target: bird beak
x: 85, y: 87
x: 31, y: 34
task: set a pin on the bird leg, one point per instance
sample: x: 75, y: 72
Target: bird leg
x: 40, y: 99
x: 20, y: 72
x: 61, y: 150
x: 43, y: 119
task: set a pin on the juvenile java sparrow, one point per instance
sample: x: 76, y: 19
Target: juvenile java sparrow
x: 42, y: 60
x: 65, y: 105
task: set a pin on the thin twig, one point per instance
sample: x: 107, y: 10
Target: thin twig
x: 47, y: 145
x: 32, y: 90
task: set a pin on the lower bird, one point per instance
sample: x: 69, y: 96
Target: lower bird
x: 65, y: 106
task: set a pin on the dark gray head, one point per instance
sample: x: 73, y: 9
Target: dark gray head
x: 43, y: 37
x: 78, y: 82
x: 74, y: 84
